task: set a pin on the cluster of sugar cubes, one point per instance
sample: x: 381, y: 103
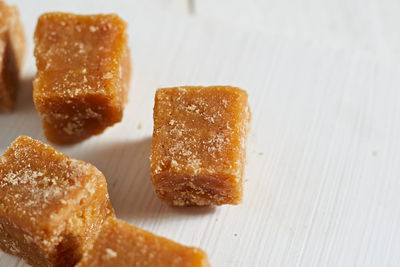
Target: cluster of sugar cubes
x: 55, y: 210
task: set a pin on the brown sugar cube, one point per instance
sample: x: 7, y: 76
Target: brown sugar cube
x: 83, y: 74
x: 121, y: 244
x: 51, y: 206
x: 199, y: 144
x: 12, y: 52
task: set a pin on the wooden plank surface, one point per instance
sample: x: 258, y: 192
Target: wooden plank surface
x: 322, y: 180
x: 370, y: 25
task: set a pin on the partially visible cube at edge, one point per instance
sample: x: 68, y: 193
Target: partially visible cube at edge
x: 122, y: 244
x: 51, y: 206
x: 12, y: 52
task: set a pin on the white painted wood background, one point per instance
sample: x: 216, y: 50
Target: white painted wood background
x: 368, y: 25
x: 323, y: 173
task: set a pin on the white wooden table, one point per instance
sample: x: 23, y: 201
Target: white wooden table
x: 371, y: 25
x: 323, y: 176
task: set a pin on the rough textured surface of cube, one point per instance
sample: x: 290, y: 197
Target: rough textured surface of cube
x: 51, y: 206
x: 121, y: 244
x: 83, y: 74
x: 12, y: 52
x: 199, y: 144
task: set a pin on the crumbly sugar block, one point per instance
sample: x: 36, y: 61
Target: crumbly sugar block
x: 51, y: 206
x: 12, y: 52
x: 83, y: 75
x: 121, y: 244
x: 199, y: 144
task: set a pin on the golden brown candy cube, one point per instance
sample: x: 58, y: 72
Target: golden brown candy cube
x: 199, y: 144
x: 51, y: 206
x: 83, y: 74
x: 121, y: 244
x: 12, y: 52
